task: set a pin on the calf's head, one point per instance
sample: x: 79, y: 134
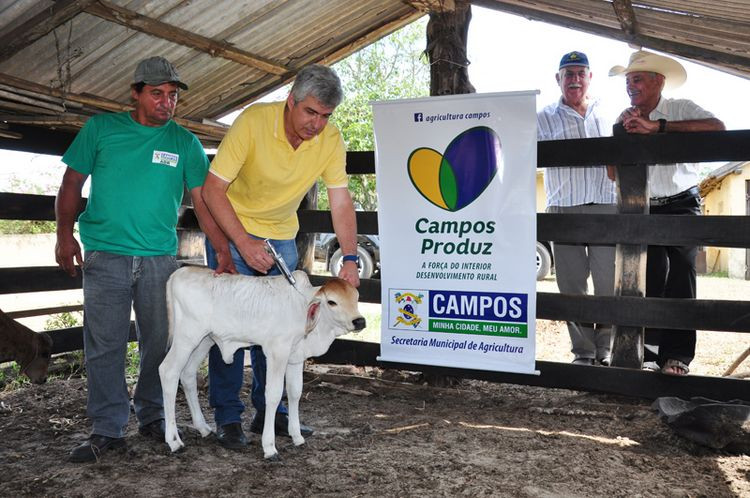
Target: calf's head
x: 336, y: 302
x: 35, y: 362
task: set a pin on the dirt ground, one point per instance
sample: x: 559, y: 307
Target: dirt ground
x: 379, y: 433
x: 386, y: 433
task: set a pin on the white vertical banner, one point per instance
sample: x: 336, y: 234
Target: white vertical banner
x: 456, y: 182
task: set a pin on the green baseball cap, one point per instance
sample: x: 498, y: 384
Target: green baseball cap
x: 157, y: 71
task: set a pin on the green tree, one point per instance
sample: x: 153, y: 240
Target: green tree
x: 21, y: 227
x: 44, y: 184
x: 64, y: 320
x: 391, y: 68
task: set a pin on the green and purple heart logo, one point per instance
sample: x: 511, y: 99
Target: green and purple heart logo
x: 455, y: 179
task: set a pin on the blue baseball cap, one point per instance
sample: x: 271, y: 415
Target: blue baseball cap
x: 574, y: 59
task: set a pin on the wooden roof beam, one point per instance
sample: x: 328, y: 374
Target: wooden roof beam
x: 30, y: 31
x: 701, y: 54
x: 626, y: 15
x: 10, y: 134
x: 214, y: 48
x: 98, y: 102
x: 106, y: 104
x: 432, y: 5
x: 72, y: 120
x: 238, y: 98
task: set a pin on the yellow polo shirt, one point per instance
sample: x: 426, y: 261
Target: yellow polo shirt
x: 268, y: 178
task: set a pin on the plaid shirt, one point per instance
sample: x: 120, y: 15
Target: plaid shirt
x: 574, y: 186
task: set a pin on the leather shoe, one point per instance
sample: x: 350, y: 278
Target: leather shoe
x: 94, y: 447
x: 231, y: 436
x: 584, y: 361
x: 281, y: 425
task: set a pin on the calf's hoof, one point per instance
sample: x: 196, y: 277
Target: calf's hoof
x: 205, y: 430
x: 298, y: 441
x: 175, y: 445
x: 272, y: 458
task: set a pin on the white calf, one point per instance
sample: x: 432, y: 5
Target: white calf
x: 234, y: 311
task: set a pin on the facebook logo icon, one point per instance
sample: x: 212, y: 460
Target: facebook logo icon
x: 418, y: 117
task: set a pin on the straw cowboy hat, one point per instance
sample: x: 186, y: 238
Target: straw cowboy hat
x: 673, y: 72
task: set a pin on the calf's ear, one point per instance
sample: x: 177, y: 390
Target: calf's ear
x: 313, y: 313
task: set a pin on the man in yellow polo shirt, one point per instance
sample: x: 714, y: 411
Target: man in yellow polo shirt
x: 271, y: 156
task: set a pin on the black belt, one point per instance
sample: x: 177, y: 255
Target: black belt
x: 685, y: 194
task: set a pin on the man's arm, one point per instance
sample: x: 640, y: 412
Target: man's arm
x: 67, y: 249
x: 252, y: 251
x: 634, y: 123
x: 217, y: 238
x: 708, y: 124
x: 637, y: 124
x: 345, y: 226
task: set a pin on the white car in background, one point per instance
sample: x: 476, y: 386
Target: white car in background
x: 368, y: 249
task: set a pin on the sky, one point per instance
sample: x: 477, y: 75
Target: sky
x: 506, y: 53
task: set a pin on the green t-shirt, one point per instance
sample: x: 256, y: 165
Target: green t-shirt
x: 137, y: 178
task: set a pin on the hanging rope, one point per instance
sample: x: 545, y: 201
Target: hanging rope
x: 64, y: 78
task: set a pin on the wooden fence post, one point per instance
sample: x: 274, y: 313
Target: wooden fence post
x: 447, y: 34
x: 630, y: 260
x: 306, y: 241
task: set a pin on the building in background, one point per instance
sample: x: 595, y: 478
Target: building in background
x: 726, y: 192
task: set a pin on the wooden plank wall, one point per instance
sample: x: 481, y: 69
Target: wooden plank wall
x: 721, y: 231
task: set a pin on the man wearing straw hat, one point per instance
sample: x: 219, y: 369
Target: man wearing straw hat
x: 670, y: 271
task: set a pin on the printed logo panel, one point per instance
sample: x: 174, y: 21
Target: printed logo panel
x: 459, y: 312
x: 455, y: 179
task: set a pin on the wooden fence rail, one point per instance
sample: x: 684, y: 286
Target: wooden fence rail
x: 720, y: 231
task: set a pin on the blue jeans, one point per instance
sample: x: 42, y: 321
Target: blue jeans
x: 112, y: 283
x: 225, y: 381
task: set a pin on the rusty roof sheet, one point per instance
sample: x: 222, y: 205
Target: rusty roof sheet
x: 232, y: 52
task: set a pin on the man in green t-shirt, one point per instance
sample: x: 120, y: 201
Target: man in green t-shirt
x: 139, y: 163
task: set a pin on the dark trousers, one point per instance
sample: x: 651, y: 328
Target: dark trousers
x: 670, y: 272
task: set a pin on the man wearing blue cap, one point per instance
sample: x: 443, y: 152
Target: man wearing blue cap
x: 139, y: 161
x: 580, y: 190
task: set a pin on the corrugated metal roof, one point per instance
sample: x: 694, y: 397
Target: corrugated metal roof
x: 713, y: 33
x: 232, y: 52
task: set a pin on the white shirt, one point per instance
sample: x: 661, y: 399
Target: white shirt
x: 575, y: 186
x: 671, y: 179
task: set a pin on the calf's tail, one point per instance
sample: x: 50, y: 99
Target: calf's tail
x: 170, y: 311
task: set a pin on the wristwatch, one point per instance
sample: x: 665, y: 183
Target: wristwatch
x: 350, y: 257
x: 662, y: 125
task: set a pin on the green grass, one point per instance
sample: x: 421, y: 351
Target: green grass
x: 132, y: 363
x: 717, y: 274
x: 11, y: 378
